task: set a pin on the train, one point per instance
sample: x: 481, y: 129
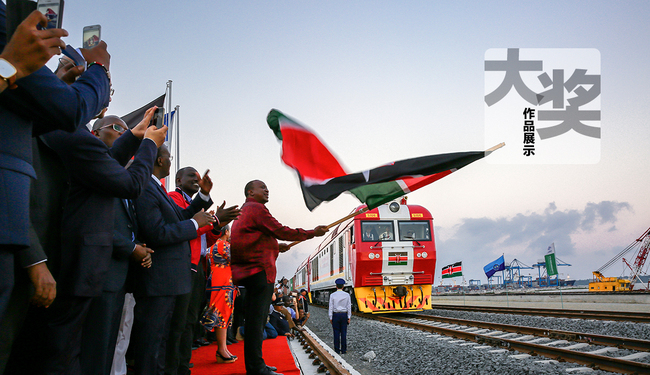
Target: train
x: 387, y: 257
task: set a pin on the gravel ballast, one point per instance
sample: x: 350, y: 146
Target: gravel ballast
x: 407, y: 351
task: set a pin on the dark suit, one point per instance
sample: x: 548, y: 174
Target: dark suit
x: 167, y: 229
x: 103, y: 322
x: 97, y: 176
x: 41, y: 103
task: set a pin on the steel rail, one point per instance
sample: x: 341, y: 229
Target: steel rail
x: 332, y: 365
x: 560, y: 313
x: 589, y: 338
x: 593, y: 360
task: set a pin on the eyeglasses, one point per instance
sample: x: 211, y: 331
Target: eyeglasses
x: 171, y: 157
x: 117, y: 127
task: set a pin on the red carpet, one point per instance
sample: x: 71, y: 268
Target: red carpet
x: 276, y: 353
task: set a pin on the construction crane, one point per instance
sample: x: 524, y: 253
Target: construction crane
x: 641, y: 256
x: 602, y: 283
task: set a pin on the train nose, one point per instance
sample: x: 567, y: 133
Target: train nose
x: 400, y: 291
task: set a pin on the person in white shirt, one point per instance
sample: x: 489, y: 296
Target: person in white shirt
x: 340, y: 311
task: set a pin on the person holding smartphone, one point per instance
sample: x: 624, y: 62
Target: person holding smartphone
x: 29, y: 49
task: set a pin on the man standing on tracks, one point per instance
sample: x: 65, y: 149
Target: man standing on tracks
x: 254, y: 250
x: 340, y: 311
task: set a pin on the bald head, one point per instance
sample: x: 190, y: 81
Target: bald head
x: 108, y: 129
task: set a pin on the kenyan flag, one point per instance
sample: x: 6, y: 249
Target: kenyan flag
x: 323, y: 178
x: 397, y: 258
x: 452, y: 270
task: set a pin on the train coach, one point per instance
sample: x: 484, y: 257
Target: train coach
x: 387, y: 257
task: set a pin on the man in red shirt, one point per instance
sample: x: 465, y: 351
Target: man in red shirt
x: 254, y: 250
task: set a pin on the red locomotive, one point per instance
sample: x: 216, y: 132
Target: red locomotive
x: 387, y: 257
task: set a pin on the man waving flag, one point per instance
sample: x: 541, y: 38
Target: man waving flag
x: 322, y: 178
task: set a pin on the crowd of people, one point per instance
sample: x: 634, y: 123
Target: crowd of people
x: 99, y: 264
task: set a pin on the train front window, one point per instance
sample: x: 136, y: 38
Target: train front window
x: 374, y: 231
x: 414, y: 231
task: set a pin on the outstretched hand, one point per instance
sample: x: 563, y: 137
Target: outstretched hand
x: 205, y: 182
x: 226, y: 215
x: 203, y: 218
x: 156, y: 135
x: 98, y: 54
x: 29, y: 49
x: 320, y: 230
x: 142, y: 126
x: 68, y: 73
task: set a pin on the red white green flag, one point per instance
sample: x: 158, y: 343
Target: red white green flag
x: 452, y: 270
x: 322, y: 178
x: 397, y: 258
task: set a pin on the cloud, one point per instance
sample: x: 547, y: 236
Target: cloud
x: 525, y: 235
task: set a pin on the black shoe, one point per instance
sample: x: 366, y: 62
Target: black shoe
x: 271, y: 368
x: 194, y: 347
x: 222, y: 359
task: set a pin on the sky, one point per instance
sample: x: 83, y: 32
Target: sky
x: 381, y: 81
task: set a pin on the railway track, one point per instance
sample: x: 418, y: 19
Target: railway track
x: 322, y: 358
x: 624, y: 316
x: 556, y: 345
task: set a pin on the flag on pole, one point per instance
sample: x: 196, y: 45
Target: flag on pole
x: 549, y: 259
x: 169, y: 123
x: 132, y: 119
x: 452, y: 270
x: 322, y: 178
x: 495, y: 266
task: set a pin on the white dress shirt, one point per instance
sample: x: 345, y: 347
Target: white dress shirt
x: 340, y: 302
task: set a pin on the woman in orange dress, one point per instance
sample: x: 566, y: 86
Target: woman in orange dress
x: 222, y: 294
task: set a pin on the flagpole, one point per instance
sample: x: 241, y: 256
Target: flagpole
x: 463, y: 287
x: 494, y: 148
x: 503, y: 274
x: 168, y: 98
x: 178, y: 137
x: 339, y: 221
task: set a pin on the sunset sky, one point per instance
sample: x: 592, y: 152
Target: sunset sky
x: 381, y: 81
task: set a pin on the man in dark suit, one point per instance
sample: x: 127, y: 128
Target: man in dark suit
x: 167, y: 229
x: 101, y: 327
x: 40, y: 102
x: 96, y: 176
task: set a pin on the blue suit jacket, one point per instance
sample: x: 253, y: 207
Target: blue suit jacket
x: 41, y: 103
x: 166, y: 229
x: 97, y: 176
x: 123, y: 245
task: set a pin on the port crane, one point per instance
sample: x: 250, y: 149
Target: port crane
x: 602, y: 283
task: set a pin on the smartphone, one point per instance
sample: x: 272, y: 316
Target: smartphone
x: 158, y: 116
x: 75, y: 55
x: 92, y: 35
x: 53, y: 11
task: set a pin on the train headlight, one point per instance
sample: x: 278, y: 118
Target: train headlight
x: 424, y: 254
x: 371, y: 256
x: 377, y: 255
x: 394, y: 207
x: 419, y: 255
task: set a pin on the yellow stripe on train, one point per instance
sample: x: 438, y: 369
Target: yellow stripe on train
x: 382, y: 299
